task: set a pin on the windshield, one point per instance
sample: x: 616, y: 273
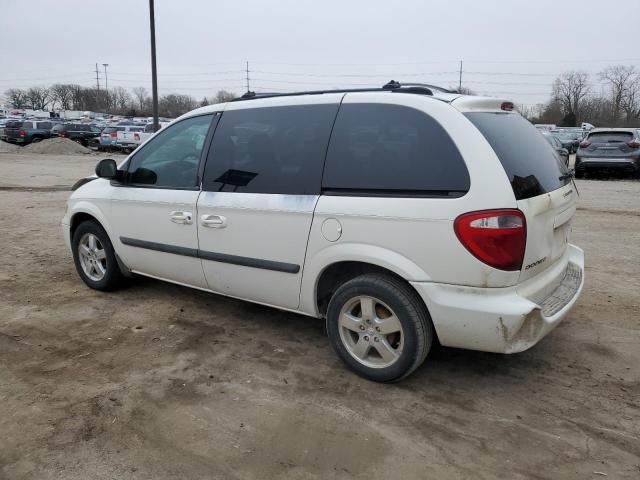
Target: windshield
x: 532, y: 165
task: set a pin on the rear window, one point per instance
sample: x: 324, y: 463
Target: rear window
x: 610, y: 137
x: 391, y: 149
x: 14, y: 124
x: 531, y: 164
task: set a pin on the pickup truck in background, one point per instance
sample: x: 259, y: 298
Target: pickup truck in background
x: 110, y: 136
x: 27, y: 131
x: 128, y: 141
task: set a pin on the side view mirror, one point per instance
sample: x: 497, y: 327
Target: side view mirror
x: 106, y: 168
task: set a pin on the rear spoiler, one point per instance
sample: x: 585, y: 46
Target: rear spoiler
x: 470, y: 103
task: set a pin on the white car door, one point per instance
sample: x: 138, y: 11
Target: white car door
x: 260, y: 187
x: 153, y: 209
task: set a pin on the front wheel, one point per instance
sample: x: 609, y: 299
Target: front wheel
x: 95, y: 258
x: 379, y: 327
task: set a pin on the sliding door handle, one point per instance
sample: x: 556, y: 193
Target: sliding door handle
x: 213, y: 221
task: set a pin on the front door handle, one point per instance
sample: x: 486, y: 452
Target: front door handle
x: 183, y: 218
x: 214, y: 221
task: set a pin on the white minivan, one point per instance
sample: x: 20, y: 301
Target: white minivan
x: 402, y: 215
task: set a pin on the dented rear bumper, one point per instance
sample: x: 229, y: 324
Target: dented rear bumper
x: 505, y: 320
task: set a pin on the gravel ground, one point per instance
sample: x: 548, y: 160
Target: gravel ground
x: 158, y: 381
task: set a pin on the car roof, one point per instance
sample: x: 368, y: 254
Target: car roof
x: 463, y: 103
x: 613, y: 129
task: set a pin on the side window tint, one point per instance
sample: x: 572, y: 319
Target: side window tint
x: 171, y: 159
x: 45, y: 125
x: 381, y: 147
x: 270, y: 150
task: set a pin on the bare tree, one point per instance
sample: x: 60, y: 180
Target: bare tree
x: 62, y: 94
x: 223, y: 96
x: 619, y: 78
x: 39, y: 97
x: 174, y: 105
x: 141, y: 96
x: 571, y: 89
x: 17, y: 97
x: 121, y: 99
x: 631, y: 100
x: 204, y: 102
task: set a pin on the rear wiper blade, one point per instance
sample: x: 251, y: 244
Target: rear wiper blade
x: 566, y: 176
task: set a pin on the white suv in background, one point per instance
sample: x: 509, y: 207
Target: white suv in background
x: 399, y: 214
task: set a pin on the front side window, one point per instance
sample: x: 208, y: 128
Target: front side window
x: 171, y: 159
x: 45, y: 125
x: 270, y: 150
x: 392, y: 149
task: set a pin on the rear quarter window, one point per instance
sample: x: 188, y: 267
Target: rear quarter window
x: 532, y: 165
x: 392, y: 150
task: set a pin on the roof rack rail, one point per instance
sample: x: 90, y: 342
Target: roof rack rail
x: 391, y: 86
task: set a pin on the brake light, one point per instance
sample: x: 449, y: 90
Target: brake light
x: 507, y: 106
x: 21, y: 133
x: 585, y: 143
x: 634, y: 144
x: 62, y: 133
x: 114, y: 134
x: 495, y: 237
x: 136, y: 137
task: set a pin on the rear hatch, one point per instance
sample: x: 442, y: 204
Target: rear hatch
x: 541, y: 184
x: 610, y: 144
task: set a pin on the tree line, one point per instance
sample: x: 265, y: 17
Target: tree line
x: 117, y: 100
x: 574, y: 100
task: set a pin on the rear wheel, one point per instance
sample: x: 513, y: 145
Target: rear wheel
x: 36, y: 139
x: 379, y: 327
x: 94, y: 257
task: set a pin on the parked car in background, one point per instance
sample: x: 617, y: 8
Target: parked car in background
x: 562, y: 152
x: 305, y: 202
x: 78, y: 132
x: 609, y: 149
x: 570, y: 139
x: 27, y: 131
x: 108, y: 139
x: 3, y: 123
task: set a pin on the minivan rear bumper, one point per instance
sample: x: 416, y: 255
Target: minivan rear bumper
x: 505, y: 320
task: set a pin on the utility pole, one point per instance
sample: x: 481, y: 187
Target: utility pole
x: 460, y: 79
x: 248, y: 89
x: 97, y: 88
x: 154, y: 72
x: 106, y: 82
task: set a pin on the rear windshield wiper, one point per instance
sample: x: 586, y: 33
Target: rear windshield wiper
x: 570, y: 175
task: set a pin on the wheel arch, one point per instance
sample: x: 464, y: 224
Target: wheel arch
x: 339, y: 263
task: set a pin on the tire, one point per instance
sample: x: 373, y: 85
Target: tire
x: 36, y: 139
x: 105, y: 276
x: 388, y: 357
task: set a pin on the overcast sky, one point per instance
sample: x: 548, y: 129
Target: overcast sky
x: 508, y: 47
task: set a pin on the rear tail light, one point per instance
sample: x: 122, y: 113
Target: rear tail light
x: 136, y: 137
x: 62, y: 133
x: 585, y: 143
x: 21, y: 133
x: 113, y: 134
x: 634, y: 144
x: 495, y: 237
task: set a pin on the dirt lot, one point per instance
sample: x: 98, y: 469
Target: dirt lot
x: 158, y: 381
